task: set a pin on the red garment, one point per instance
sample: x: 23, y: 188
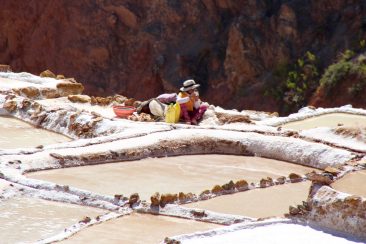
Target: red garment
x: 196, y: 114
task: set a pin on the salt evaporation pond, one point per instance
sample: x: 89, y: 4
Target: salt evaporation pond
x: 327, y: 120
x: 169, y: 175
x: 138, y: 228
x: 353, y: 183
x: 258, y: 203
x: 272, y: 234
x: 15, y: 133
x: 27, y: 220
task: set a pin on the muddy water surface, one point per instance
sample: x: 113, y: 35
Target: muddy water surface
x: 327, y: 120
x: 15, y: 133
x: 258, y: 203
x: 28, y: 220
x: 138, y: 228
x: 169, y: 175
x: 352, y: 183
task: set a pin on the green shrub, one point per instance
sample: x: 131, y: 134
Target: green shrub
x: 297, y: 81
x: 362, y: 44
x: 335, y: 73
x: 347, y: 55
x: 344, y: 68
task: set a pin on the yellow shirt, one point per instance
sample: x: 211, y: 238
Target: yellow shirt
x: 191, y: 101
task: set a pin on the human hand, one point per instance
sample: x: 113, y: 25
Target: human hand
x: 194, y: 122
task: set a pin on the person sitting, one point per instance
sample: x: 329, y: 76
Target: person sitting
x: 192, y: 109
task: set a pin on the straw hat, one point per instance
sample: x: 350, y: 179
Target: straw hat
x: 189, y: 85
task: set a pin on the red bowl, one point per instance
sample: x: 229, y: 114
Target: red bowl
x: 123, y: 111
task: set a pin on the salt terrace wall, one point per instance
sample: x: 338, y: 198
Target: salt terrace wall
x: 339, y: 211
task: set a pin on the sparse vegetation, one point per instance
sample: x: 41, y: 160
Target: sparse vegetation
x: 349, y: 65
x: 362, y: 44
x: 297, y: 81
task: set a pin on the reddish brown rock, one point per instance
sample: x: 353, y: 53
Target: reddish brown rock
x: 130, y: 102
x: 48, y: 74
x: 69, y: 88
x: 294, y: 178
x: 119, y: 99
x: 136, y: 104
x: 293, y: 210
x: 85, y: 220
x: 97, y: 119
x: 266, y: 182
x: 49, y: 93
x: 134, y: 198
x: 79, y: 98
x: 182, y: 197
x: 25, y: 104
x: 287, y: 22
x: 56, y: 155
x: 281, y: 180
x: 205, y: 193
x: 10, y: 105
x: 125, y: 15
x: 118, y: 197
x: 332, y: 170
x: 319, y: 178
x: 155, y: 199
x: 37, y: 107
x: 353, y: 200
x: 30, y: 92
x: 198, y: 213
x: 217, y: 189
x: 104, y: 101
x: 142, y: 117
x: 229, y: 186
x: 167, y: 198
x: 228, y: 118
x: 189, y: 196
x: 5, y: 68
x: 241, y: 185
x: 10, y: 96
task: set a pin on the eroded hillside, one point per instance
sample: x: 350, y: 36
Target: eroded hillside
x: 143, y: 48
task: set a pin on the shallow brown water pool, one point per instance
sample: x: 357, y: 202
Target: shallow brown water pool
x: 169, y: 175
x: 353, y: 183
x: 258, y: 203
x: 138, y: 228
x: 15, y: 133
x: 27, y: 220
x: 327, y: 120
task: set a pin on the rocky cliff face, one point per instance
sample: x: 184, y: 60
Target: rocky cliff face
x: 142, y: 48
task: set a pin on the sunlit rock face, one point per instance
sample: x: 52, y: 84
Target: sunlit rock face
x: 231, y: 47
